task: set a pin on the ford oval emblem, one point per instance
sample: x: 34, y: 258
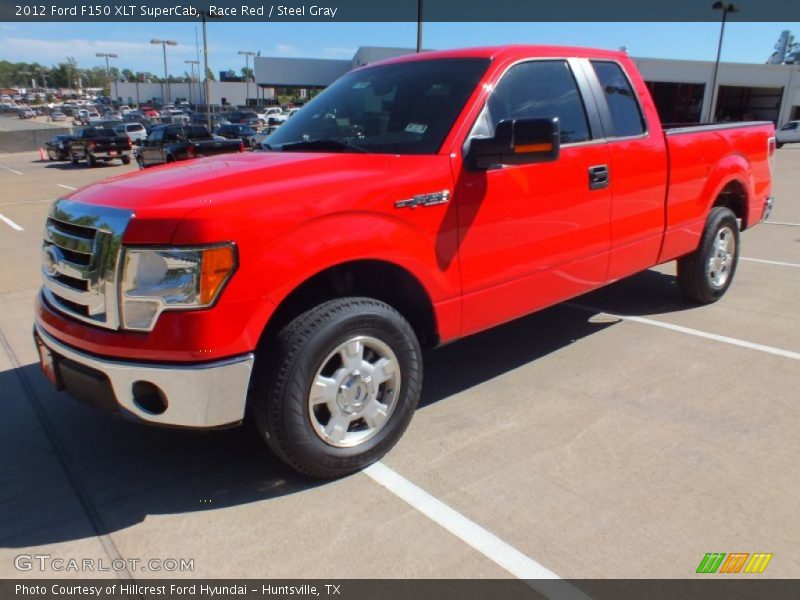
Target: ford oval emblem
x: 50, y: 260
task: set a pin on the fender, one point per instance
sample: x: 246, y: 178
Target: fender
x: 732, y: 168
x: 686, y: 218
x: 332, y: 240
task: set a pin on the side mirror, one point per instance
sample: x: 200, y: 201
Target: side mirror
x: 517, y: 142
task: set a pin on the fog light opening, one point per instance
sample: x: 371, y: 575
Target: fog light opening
x: 149, y: 398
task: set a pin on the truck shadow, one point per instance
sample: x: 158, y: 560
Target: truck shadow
x: 68, y: 166
x: 64, y: 460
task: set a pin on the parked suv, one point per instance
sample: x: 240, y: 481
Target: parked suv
x: 135, y: 131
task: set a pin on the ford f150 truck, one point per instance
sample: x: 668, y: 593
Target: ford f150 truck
x: 94, y: 144
x: 413, y: 202
x: 171, y: 143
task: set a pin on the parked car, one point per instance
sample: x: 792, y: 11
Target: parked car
x: 172, y: 143
x: 238, y: 132
x: 217, y: 119
x: 244, y: 117
x: 57, y: 147
x: 135, y: 131
x: 57, y: 116
x: 268, y: 112
x: 788, y: 134
x: 262, y: 135
x: 464, y: 189
x: 27, y: 113
x: 94, y: 144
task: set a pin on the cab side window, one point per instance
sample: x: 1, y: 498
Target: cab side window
x: 626, y: 116
x: 538, y: 89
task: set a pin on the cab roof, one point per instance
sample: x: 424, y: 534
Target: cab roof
x: 512, y: 52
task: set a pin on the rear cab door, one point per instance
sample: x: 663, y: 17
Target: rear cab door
x: 638, y: 167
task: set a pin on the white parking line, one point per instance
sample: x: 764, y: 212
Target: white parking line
x: 695, y: 332
x: 482, y: 540
x: 66, y: 187
x: 770, y: 262
x: 25, y: 202
x: 781, y: 223
x: 10, y: 223
x: 10, y: 169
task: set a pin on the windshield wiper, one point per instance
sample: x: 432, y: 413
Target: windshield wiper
x: 324, y: 144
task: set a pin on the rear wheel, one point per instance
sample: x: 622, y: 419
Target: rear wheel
x: 126, y: 160
x: 91, y: 160
x: 338, y: 386
x: 705, y: 275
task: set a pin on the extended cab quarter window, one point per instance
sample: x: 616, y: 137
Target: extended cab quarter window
x: 537, y: 89
x: 626, y: 116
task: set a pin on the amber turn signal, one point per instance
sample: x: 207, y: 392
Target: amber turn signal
x: 523, y: 149
x: 218, y: 264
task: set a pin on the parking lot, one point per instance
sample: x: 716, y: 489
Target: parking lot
x: 622, y: 435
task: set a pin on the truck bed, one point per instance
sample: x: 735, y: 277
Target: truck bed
x: 705, y: 161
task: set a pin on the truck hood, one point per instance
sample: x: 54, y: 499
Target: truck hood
x: 297, y: 183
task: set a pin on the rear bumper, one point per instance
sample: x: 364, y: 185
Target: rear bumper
x: 204, y: 395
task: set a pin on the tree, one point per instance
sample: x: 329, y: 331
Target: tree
x: 247, y: 73
x: 210, y: 75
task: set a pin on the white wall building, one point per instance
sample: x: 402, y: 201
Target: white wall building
x: 220, y: 93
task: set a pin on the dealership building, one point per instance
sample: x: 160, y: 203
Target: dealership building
x: 681, y: 88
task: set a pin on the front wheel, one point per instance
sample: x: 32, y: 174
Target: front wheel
x: 126, y: 160
x: 338, y: 386
x: 705, y: 275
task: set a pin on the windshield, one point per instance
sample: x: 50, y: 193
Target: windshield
x: 401, y: 108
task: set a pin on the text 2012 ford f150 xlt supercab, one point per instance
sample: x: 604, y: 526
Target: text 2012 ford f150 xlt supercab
x: 413, y: 202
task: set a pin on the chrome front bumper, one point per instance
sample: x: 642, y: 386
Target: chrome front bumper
x: 198, y: 396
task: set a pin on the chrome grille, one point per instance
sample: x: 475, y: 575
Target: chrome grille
x: 80, y: 260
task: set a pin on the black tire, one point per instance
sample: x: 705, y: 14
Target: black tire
x: 779, y: 145
x: 695, y: 281
x: 73, y: 160
x: 91, y: 160
x: 286, y: 370
x: 126, y: 160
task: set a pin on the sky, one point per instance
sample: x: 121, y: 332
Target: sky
x: 50, y: 43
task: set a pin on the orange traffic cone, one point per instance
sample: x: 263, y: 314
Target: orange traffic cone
x: 42, y: 155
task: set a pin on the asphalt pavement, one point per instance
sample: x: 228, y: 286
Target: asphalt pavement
x: 624, y: 434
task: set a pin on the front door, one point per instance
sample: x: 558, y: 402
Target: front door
x: 532, y: 235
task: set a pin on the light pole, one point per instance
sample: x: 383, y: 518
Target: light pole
x: 107, y: 55
x: 247, y: 54
x: 191, y: 64
x: 204, y: 15
x: 725, y: 7
x: 419, y: 26
x: 164, y: 44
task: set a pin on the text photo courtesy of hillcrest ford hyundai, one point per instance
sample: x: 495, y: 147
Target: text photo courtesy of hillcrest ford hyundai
x: 421, y: 300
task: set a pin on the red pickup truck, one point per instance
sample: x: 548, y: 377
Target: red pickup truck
x: 413, y: 202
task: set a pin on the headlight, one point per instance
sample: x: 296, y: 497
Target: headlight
x: 155, y: 280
